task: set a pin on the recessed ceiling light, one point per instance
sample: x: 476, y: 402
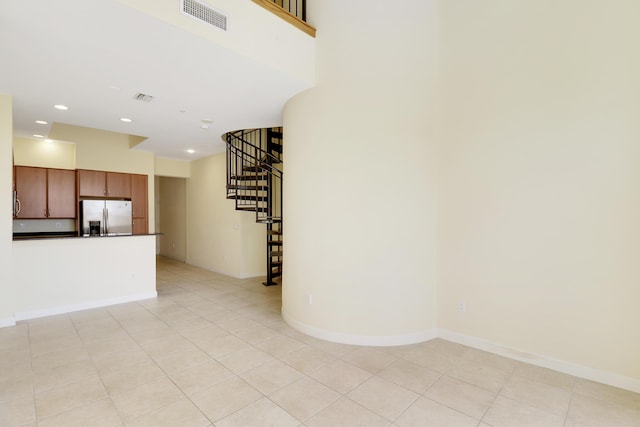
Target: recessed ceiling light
x: 60, y: 107
x: 208, y: 121
x: 38, y: 136
x: 48, y: 140
x: 41, y: 122
x: 191, y: 151
x: 205, y: 127
x: 124, y: 119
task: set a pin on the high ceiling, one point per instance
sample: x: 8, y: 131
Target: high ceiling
x: 94, y: 56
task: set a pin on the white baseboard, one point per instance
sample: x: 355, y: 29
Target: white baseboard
x: 51, y: 311
x: 366, y: 340
x: 585, y: 372
x: 9, y: 321
x: 563, y: 366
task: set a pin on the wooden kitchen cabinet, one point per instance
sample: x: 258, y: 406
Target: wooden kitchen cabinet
x: 31, y: 191
x: 114, y: 185
x: 139, y: 202
x: 45, y: 193
x: 61, y: 193
x: 118, y: 185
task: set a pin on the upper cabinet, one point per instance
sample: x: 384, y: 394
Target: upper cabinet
x: 104, y: 184
x: 45, y: 193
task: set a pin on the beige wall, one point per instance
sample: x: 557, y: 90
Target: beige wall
x: 40, y: 153
x: 219, y: 238
x: 360, y: 187
x: 7, y: 284
x: 172, y: 201
x: 540, y: 208
x: 172, y: 167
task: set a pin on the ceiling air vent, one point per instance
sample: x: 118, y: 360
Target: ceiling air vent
x: 204, y: 13
x: 142, y: 97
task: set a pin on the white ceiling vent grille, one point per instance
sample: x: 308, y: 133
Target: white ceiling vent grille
x: 204, y: 13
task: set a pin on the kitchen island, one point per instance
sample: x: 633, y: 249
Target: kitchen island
x: 66, y: 274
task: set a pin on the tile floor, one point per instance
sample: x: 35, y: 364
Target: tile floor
x: 213, y: 351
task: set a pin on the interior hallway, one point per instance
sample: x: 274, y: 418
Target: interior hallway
x: 214, y: 351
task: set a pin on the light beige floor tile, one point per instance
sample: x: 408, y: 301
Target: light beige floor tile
x: 14, y: 388
x: 490, y: 360
x: 505, y: 412
x: 69, y: 396
x: 41, y: 348
x: 181, y: 360
x: 257, y: 334
x: 483, y: 376
x: 167, y: 345
x: 190, y: 324
x: 383, y: 397
x: 59, y: 357
x: 238, y: 324
x: 245, y: 360
x: 340, y: 376
x: 546, y: 376
x: 279, y: 345
x: 334, y: 348
x: 200, y: 377
x: 91, y: 335
x: 263, y: 413
x: 102, y: 347
x: 16, y: 369
x: 197, y: 336
x: 149, y: 335
x: 427, y: 413
x: 181, y: 413
x: 146, y: 398
x: 370, y: 359
x: 222, y: 345
x: 606, y: 392
x: 539, y: 395
x: 112, y: 362
x: 47, y: 379
x: 101, y: 413
x: 347, y: 413
x: 220, y: 316
x: 271, y: 376
x: 225, y: 398
x: 601, y: 413
x: 17, y: 412
x: 13, y: 357
x: 304, y: 398
x: 307, y: 359
x: 466, y: 398
x: 131, y: 376
x: 429, y: 358
x: 410, y: 375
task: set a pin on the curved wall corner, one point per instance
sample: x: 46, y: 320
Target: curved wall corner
x: 360, y: 193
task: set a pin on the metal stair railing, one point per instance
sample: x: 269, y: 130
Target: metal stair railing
x: 254, y: 181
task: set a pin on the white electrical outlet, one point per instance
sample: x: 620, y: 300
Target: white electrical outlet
x: 462, y: 306
x: 309, y: 299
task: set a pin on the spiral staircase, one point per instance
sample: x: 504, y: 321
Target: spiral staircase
x: 254, y: 182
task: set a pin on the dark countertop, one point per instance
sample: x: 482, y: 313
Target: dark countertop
x: 69, y: 235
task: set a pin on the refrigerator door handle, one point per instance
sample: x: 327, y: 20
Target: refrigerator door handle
x: 106, y: 221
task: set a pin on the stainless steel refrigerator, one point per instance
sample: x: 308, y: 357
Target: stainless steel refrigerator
x: 105, y: 217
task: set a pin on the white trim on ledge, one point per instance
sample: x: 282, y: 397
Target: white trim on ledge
x: 34, y: 314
